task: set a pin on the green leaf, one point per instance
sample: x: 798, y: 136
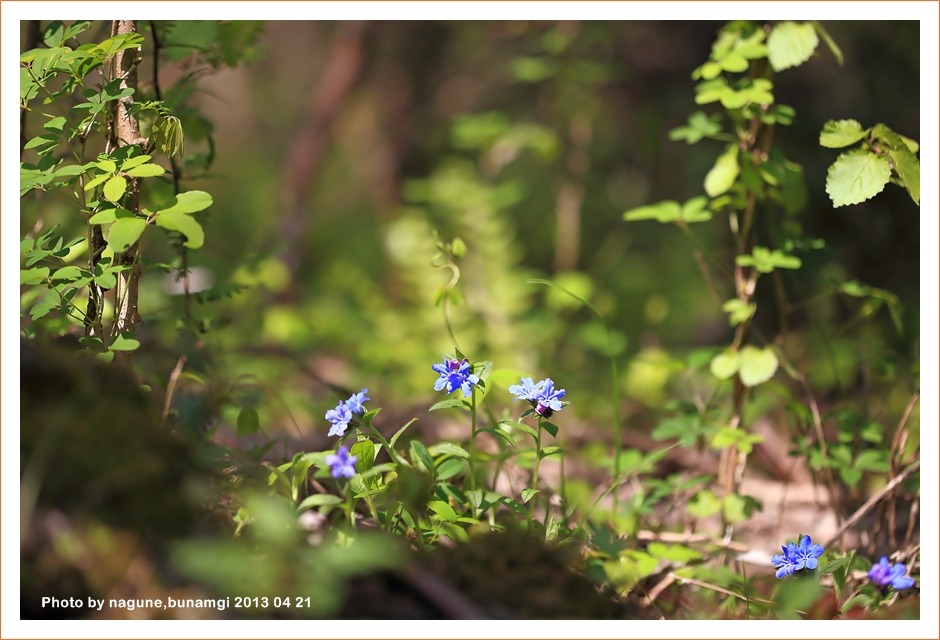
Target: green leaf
x: 836, y: 134
x: 739, y: 311
x: 189, y: 202
x: 115, y: 188
x: 248, y: 421
x: 123, y: 343
x: 696, y: 210
x: 724, y: 173
x: 420, y: 452
x: 185, y: 224
x: 110, y: 215
x: 443, y: 510
x: 364, y: 450
x: 447, y: 448
x: 399, y: 433
x: 703, y: 504
x: 125, y: 232
x: 673, y: 552
x: 699, y: 126
x: 856, y: 176
x: 146, y: 171
x: 724, y: 365
x: 790, y: 44
x: 450, y: 467
x: 756, y: 365
x: 135, y: 161
x: 69, y: 273
x: 528, y: 494
x: 47, y: 303
x: 450, y: 403
x: 34, y: 275
x: 738, y: 508
x: 319, y: 500
x: 550, y: 427
x: 665, y: 211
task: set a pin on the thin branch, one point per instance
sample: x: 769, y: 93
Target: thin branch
x: 872, y: 501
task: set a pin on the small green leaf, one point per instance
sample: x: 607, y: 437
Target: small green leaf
x: 836, y: 134
x: 739, y: 311
x: 665, y: 211
x: 724, y: 173
x: 115, y: 188
x: 125, y: 232
x: 319, y: 500
x: 450, y: 468
x: 443, y: 510
x: 738, y: 508
x: 756, y: 365
x: 528, y: 494
x: 136, y: 161
x: 34, y: 275
x: 724, y: 365
x: 185, y: 224
x: 450, y: 403
x: 364, y: 450
x: 856, y: 176
x: 146, y: 171
x: 123, y: 343
x: 189, y: 202
x: 550, y: 427
x: 69, y: 273
x: 703, y: 504
x: 420, y: 452
x: 696, y: 210
x: 673, y: 552
x: 248, y: 421
x: 447, y: 448
x: 790, y: 45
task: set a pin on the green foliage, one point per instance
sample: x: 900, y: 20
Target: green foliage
x: 862, y: 172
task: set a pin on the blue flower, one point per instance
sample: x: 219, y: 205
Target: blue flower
x: 355, y: 402
x: 785, y: 562
x: 548, y: 400
x: 797, y: 557
x: 885, y: 575
x: 342, y: 465
x: 455, y: 374
x: 541, y: 395
x: 527, y: 390
x: 340, y: 417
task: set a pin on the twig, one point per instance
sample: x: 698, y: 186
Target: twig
x: 690, y: 538
x: 872, y: 501
x: 171, y: 385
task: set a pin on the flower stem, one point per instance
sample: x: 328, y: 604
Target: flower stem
x: 535, y: 469
x: 473, y: 436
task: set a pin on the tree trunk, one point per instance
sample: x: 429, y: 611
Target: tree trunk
x: 125, y: 130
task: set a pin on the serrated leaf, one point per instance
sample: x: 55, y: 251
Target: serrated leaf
x: 724, y: 365
x: 855, y: 177
x: 756, y: 365
x: 185, y: 224
x: 724, y: 173
x: 125, y: 232
x: 790, y: 45
x: 115, y: 188
x: 907, y: 167
x: 665, y: 211
x: 836, y: 134
x: 248, y: 421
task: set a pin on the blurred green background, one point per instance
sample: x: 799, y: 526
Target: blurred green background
x: 340, y: 148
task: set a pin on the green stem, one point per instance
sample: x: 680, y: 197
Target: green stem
x: 388, y: 447
x: 349, y: 506
x: 535, y: 470
x: 473, y: 436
